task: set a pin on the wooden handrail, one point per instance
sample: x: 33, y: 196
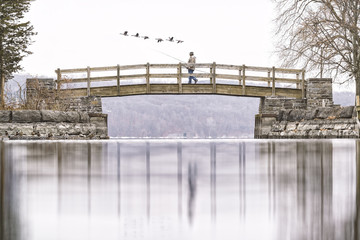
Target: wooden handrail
x: 243, y: 74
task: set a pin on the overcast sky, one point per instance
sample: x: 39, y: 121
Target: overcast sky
x: 80, y: 33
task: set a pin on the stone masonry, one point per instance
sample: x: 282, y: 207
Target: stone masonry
x: 75, y: 118
x: 313, y: 117
x: 47, y: 124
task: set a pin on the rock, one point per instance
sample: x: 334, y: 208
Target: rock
x: 324, y: 113
x: 345, y: 112
x: 84, y: 117
x: 278, y: 127
x: 26, y: 116
x: 310, y: 114
x: 72, y: 117
x: 51, y: 116
x: 296, y: 115
x: 5, y: 116
x: 291, y: 126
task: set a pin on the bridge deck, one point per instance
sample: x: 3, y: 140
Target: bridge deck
x: 159, y: 89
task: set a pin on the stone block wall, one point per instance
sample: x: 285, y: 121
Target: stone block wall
x: 313, y: 117
x: 336, y: 122
x: 272, y: 105
x: 319, y: 93
x: 47, y: 124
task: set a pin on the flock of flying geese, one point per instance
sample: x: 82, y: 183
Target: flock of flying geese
x: 137, y: 35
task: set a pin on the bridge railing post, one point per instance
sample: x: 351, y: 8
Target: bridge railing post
x: 243, y: 79
x: 298, y: 85
x: 118, y: 79
x: 147, y: 78
x: 273, y: 82
x: 88, y: 81
x: 179, y: 72
x: 214, y: 76
x: 303, y: 83
x: 58, y: 83
x: 269, y: 77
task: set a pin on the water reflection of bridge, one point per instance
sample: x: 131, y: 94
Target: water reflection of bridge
x: 295, y: 185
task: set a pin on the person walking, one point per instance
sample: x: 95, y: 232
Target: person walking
x: 191, y: 67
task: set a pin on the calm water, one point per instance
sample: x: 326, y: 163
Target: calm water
x: 180, y: 189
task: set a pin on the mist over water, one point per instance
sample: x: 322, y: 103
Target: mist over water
x: 180, y: 189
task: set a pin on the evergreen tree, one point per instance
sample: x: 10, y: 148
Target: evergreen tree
x: 15, y: 37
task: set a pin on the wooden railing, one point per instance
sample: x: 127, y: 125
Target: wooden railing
x: 240, y: 75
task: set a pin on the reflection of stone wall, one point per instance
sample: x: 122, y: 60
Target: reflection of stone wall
x: 313, y: 117
x: 46, y: 124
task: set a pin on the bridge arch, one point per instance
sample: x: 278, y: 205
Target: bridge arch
x: 222, y: 79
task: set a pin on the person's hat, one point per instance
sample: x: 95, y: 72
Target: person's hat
x: 191, y: 53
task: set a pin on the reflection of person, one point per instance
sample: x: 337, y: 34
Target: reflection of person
x: 191, y: 67
x: 192, y: 175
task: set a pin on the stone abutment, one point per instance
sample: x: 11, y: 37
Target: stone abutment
x: 316, y: 116
x: 54, y: 115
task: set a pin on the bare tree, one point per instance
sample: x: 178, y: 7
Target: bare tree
x: 321, y: 35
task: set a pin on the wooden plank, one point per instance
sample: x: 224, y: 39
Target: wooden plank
x: 58, y: 82
x: 198, y: 89
x: 288, y: 70
x: 147, y: 78
x: 214, y: 77
x: 179, y: 78
x: 103, y: 69
x: 164, y: 89
x: 273, y: 82
x: 198, y: 75
x: 303, y: 84
x: 227, y: 76
x: 203, y: 65
x: 257, y: 69
x: 163, y: 75
x: 243, y: 79
x: 227, y: 67
x: 163, y: 66
x: 75, y: 70
x: 133, y: 67
x: 94, y: 79
x: 297, y: 78
x: 222, y: 89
